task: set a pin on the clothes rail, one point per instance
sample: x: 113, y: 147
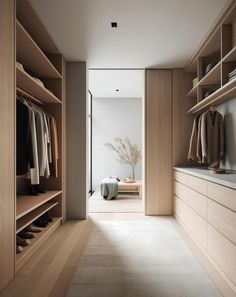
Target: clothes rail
x: 29, y: 96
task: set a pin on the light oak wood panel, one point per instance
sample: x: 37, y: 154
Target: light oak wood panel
x: 25, y: 204
x: 36, y: 243
x: 193, y: 199
x: 27, y: 83
x: 193, y: 182
x: 226, y: 287
x: 223, y: 252
x: 182, y: 123
x: 7, y: 136
x: 223, y: 219
x: 158, y: 142
x: 195, y: 224
x: 33, y: 215
x: 223, y: 195
x: 31, y: 56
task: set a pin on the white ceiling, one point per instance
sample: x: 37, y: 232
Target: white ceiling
x: 103, y: 83
x: 150, y: 33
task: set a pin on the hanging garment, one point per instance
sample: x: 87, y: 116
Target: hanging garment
x: 55, y: 149
x: 212, y: 138
x: 24, y: 153
x: 47, y: 142
x: 194, y: 140
x: 34, y: 171
x: 199, y: 142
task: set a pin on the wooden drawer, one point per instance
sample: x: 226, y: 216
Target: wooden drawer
x: 197, y: 184
x: 195, y: 200
x: 223, y: 195
x: 223, y: 219
x: 192, y: 222
x: 223, y: 252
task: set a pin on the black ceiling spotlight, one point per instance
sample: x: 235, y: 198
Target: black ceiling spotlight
x: 117, y: 90
x: 114, y: 24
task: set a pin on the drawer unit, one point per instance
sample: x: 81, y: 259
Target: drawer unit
x: 223, y: 252
x: 193, y: 182
x: 223, y: 195
x: 193, y: 199
x: 192, y: 221
x: 223, y: 219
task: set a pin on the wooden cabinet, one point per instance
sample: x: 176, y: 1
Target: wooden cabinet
x: 158, y: 150
x: 193, y: 182
x: 222, y: 219
x: 41, y: 60
x: 223, y: 252
x: 212, y: 64
x: 206, y: 211
x: 193, y: 199
x: 222, y: 195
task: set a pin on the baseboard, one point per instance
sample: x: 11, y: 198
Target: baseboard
x: 223, y: 286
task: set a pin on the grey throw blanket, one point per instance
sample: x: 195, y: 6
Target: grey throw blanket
x: 109, y: 188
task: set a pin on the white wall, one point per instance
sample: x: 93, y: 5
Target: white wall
x: 115, y: 117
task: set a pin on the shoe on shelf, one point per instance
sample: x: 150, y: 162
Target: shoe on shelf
x: 32, y: 191
x: 22, y: 242
x: 33, y: 229
x: 47, y: 217
x: 19, y: 249
x: 40, y: 223
x: 26, y: 234
x: 39, y: 189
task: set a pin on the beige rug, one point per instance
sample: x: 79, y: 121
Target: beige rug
x: 130, y: 255
x: 123, y: 203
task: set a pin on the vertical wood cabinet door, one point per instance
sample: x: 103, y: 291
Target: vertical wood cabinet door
x: 158, y: 142
x: 7, y: 144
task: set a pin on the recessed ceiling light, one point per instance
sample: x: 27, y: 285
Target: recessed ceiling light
x: 117, y: 90
x: 114, y: 24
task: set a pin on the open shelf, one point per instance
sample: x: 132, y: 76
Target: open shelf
x: 26, y: 204
x: 223, y: 94
x: 212, y: 77
x: 36, y: 243
x: 33, y: 215
x: 231, y: 56
x: 193, y: 91
x: 27, y: 83
x: 31, y: 56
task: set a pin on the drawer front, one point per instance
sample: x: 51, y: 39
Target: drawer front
x: 193, y: 199
x: 192, y: 221
x: 197, y: 184
x: 223, y: 219
x: 223, y: 195
x: 223, y: 252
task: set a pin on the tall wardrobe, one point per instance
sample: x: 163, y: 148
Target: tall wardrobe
x: 32, y: 73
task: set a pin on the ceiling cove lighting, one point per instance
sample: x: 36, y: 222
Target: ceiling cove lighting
x: 114, y: 24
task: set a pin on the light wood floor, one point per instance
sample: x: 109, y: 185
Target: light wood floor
x: 50, y: 271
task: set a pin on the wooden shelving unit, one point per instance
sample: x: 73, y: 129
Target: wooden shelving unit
x: 219, y: 48
x: 33, y: 215
x: 27, y: 83
x: 37, y: 242
x: 31, y: 56
x: 26, y: 204
x: 42, y: 60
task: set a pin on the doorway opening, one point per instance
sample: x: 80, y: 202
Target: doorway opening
x: 116, y: 140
